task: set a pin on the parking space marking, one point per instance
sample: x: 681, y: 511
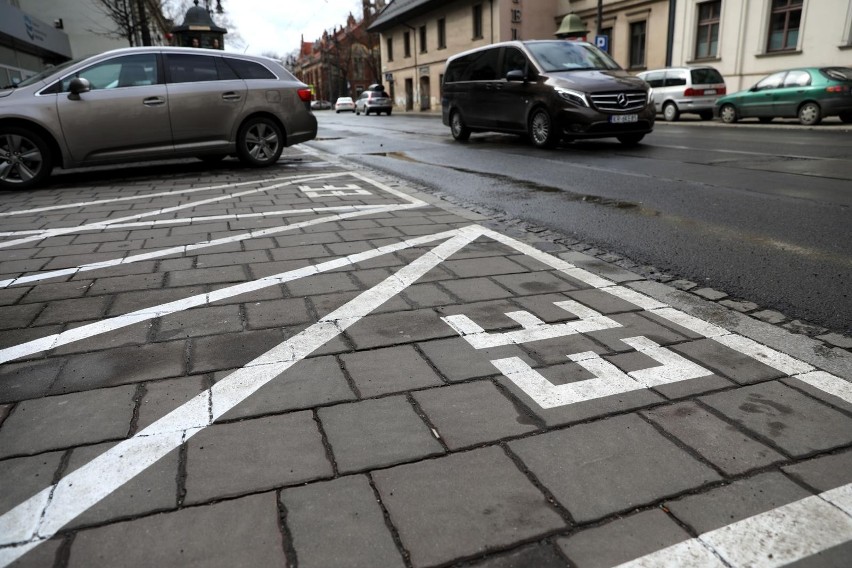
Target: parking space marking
x: 85, y: 487
x: 777, y: 537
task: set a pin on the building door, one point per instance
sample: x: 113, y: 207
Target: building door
x: 409, y: 94
x: 425, y: 91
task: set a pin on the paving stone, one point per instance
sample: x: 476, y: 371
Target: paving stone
x: 321, y: 284
x: 201, y: 321
x: 65, y: 250
x: 458, y: 361
x: 49, y: 291
x: 232, y: 350
x: 539, y: 555
x: 68, y: 420
x: 155, y: 489
x: 599, y: 267
x: 622, y: 540
x: 126, y: 302
x: 601, y: 301
x: 376, y: 433
x: 14, y: 268
x: 473, y: 413
x: 720, y: 443
x: 389, y: 370
x: 731, y: 503
x: 530, y: 262
x: 298, y: 252
x: 792, y: 421
x: 837, y: 340
x: 18, y: 316
x: 105, y: 236
x: 475, y: 289
x: 370, y: 234
x: 727, y: 362
x: 490, y: 315
x: 616, y: 465
x: 42, y: 555
x: 161, y: 397
x: 556, y: 351
x: 770, y: 316
x: 427, y: 295
x: 74, y: 260
x: 635, y: 361
x: 145, y: 267
x: 634, y: 325
x: 529, y: 283
x: 463, y: 505
x: 740, y: 305
x: 136, y: 334
x: 30, y: 379
x: 310, y: 383
x: 124, y: 365
x: 804, y: 328
x: 284, y: 450
x: 347, y: 509
x: 76, y: 309
x: 120, y: 284
x: 9, y: 296
x: 240, y: 532
x: 277, y: 313
x: 825, y: 472
x: 385, y: 330
x: 198, y: 276
x: 5, y: 409
x: 685, y: 285
x: 175, y: 264
x: 489, y: 266
x: 709, y: 293
x: 21, y: 478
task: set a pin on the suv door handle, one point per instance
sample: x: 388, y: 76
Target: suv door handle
x: 154, y: 101
x: 231, y: 96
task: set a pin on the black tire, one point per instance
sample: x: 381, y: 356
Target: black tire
x: 357, y: 112
x: 26, y: 159
x: 542, y: 132
x: 810, y: 114
x: 260, y: 142
x: 630, y: 139
x: 671, y: 112
x: 457, y: 128
x: 212, y: 158
x: 846, y: 116
x: 706, y: 115
x: 765, y: 119
x: 389, y: 113
x: 728, y: 113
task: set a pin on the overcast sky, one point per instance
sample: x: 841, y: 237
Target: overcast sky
x: 276, y: 26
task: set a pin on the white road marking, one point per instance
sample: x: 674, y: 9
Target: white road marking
x: 85, y: 487
x: 828, y: 383
x: 777, y: 537
x: 333, y: 190
x: 673, y: 368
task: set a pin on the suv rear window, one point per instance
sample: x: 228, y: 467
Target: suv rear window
x: 838, y: 73
x: 706, y: 76
x: 249, y: 69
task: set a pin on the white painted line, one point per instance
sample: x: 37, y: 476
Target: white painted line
x: 674, y: 368
x: 691, y: 323
x: 85, y: 487
x: 635, y: 298
x: 777, y: 537
x: 532, y: 328
x: 827, y: 382
x: 145, y: 314
x: 764, y: 354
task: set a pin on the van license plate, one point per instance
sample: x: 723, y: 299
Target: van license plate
x: 709, y: 91
x: 619, y: 118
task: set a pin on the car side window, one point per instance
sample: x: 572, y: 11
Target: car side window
x: 483, y: 66
x: 119, y: 72
x: 772, y: 82
x: 675, y: 79
x: 185, y: 68
x: 654, y: 78
x: 797, y: 79
x: 249, y: 69
x: 513, y: 60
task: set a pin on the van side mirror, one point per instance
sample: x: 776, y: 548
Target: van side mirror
x: 76, y: 86
x: 516, y: 75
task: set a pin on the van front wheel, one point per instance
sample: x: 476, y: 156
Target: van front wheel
x: 542, y: 132
x: 457, y: 127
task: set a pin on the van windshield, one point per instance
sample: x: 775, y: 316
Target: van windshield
x: 570, y: 56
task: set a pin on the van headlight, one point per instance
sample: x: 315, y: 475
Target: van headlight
x: 575, y: 97
x: 649, y: 97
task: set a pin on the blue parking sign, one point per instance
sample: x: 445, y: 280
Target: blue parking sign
x: 602, y: 42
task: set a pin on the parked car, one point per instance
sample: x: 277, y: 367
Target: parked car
x: 376, y: 101
x: 677, y: 90
x: 549, y: 90
x: 320, y: 105
x: 344, y: 104
x: 807, y: 93
x: 154, y: 102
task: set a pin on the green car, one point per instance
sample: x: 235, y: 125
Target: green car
x: 807, y: 93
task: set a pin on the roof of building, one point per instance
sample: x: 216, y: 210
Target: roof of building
x: 398, y: 11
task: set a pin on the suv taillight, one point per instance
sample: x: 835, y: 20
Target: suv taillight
x: 305, y: 95
x: 690, y: 92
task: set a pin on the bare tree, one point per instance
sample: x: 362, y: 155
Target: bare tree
x: 123, y: 14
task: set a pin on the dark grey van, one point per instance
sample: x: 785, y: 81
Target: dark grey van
x: 551, y: 90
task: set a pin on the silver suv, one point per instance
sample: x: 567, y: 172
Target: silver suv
x: 149, y: 103
x: 376, y: 101
x: 676, y: 90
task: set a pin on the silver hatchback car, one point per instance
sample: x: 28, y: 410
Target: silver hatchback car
x: 150, y: 103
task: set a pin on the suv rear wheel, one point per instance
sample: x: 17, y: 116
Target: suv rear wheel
x: 260, y: 142
x: 25, y: 158
x: 670, y: 112
x: 542, y: 132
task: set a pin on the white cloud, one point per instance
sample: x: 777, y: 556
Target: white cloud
x: 277, y: 26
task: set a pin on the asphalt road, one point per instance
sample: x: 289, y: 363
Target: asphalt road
x: 759, y: 212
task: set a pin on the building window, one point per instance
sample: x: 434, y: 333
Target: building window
x: 637, y: 44
x: 406, y: 44
x: 422, y: 39
x: 442, y: 33
x: 389, y: 48
x: 477, y: 21
x: 707, y: 36
x: 784, y: 25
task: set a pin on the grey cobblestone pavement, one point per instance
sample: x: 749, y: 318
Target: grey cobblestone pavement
x: 315, y: 365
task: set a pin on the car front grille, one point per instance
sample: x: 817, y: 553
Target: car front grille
x: 624, y: 101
